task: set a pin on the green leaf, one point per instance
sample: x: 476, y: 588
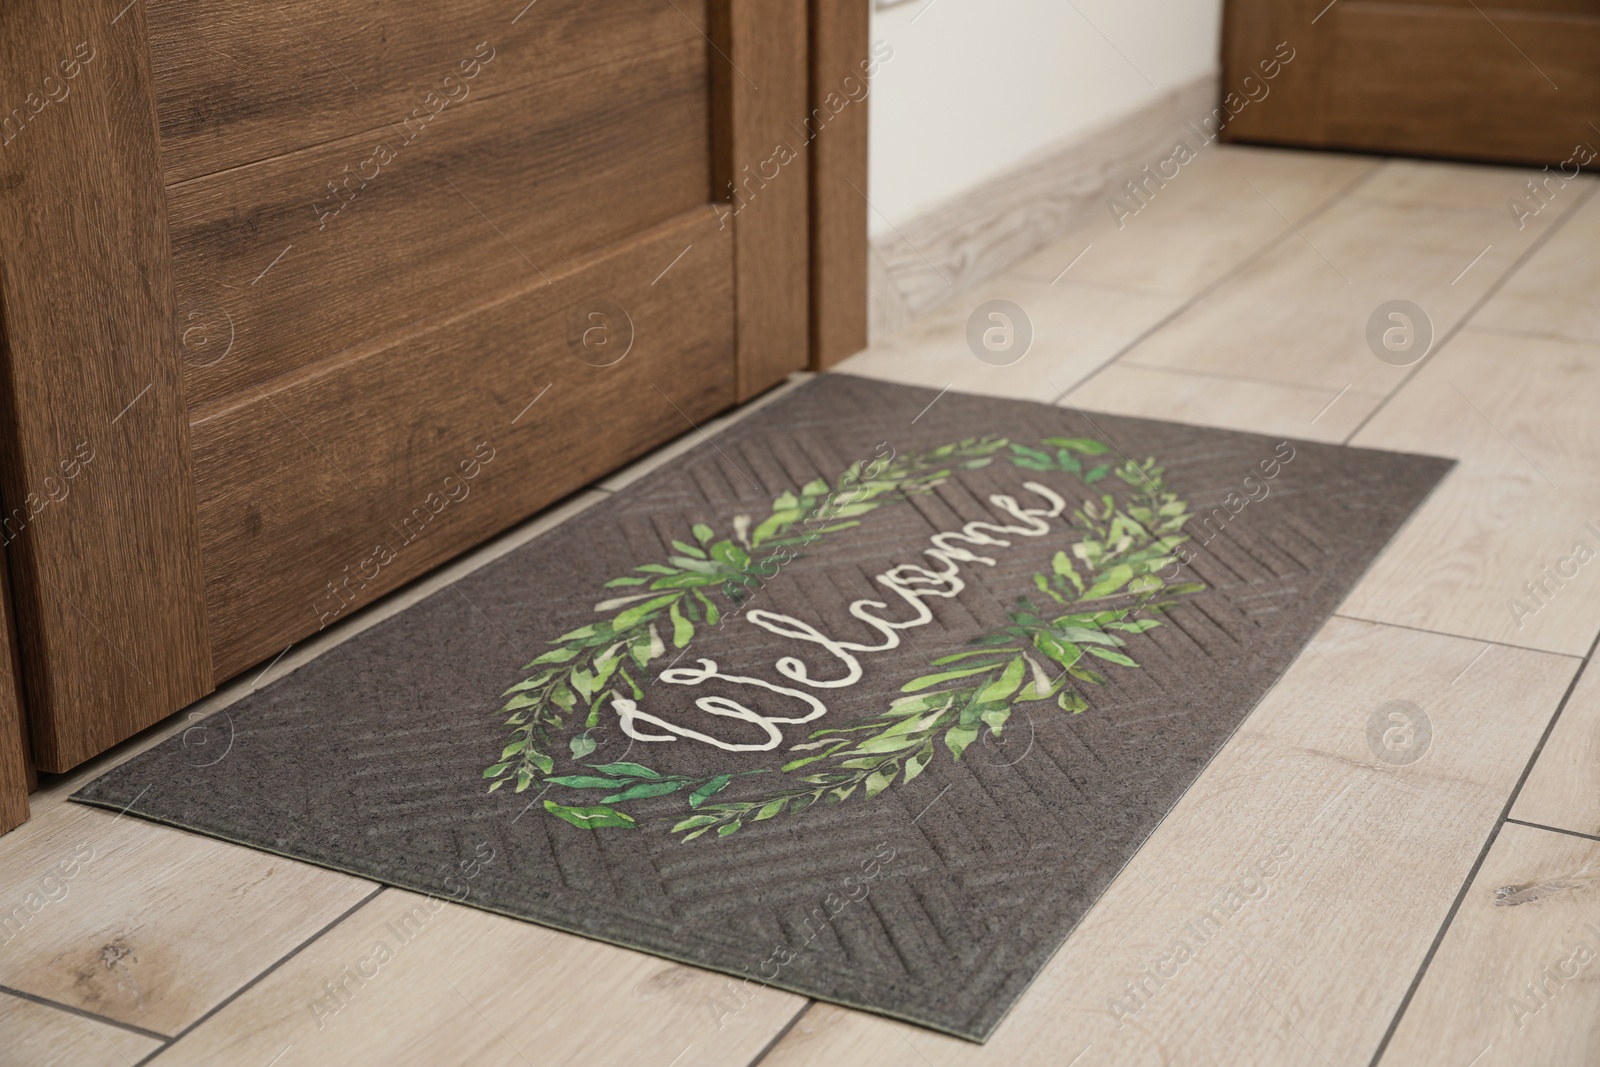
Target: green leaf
x: 630, y: 770
x: 915, y: 765
x: 1137, y: 627
x: 582, y: 745
x: 1087, y: 446
x: 712, y: 614
x: 731, y: 828
x: 710, y: 789
x: 1063, y: 652
x: 999, y: 652
x: 1114, y: 657
x: 996, y: 719
x: 878, y: 781
x: 628, y: 580
x: 695, y: 820
x: 1002, y: 687
x: 586, y: 781
x: 645, y: 789
x: 702, y: 532
x: 886, y: 743
x: 771, y: 808
x: 732, y: 555
x: 1096, y: 474
x: 1109, y: 582
x: 556, y: 655
x: 589, y: 818
x: 688, y: 550
x: 957, y: 738
x: 637, y: 614
x: 1071, y: 701
x: 682, y: 628
x: 936, y: 679
x: 495, y: 771
x: 1061, y: 564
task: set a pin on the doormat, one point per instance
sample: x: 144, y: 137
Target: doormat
x: 868, y: 698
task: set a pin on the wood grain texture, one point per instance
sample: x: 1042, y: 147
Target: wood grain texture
x: 1253, y: 33
x: 1389, y: 77
x: 145, y: 924
x: 16, y: 762
x: 1563, y: 789
x: 1553, y: 293
x: 760, y: 80
x: 238, y: 83
x: 38, y: 1035
x: 841, y: 57
x: 1310, y: 413
x: 1291, y: 857
x: 1077, y: 329
x: 1299, y: 313
x: 1519, y: 414
x: 106, y: 569
x: 943, y: 253
x: 1513, y: 980
x: 463, y: 986
x: 1395, y: 82
x: 274, y: 270
x: 307, y: 487
x: 1221, y: 211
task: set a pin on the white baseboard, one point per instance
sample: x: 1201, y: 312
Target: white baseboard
x: 978, y: 234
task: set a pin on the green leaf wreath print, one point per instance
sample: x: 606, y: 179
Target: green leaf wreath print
x: 1079, y: 619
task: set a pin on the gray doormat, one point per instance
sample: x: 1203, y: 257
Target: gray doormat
x: 868, y: 698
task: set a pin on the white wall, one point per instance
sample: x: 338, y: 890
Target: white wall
x: 976, y: 86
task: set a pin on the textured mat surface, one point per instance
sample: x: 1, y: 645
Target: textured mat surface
x: 867, y: 699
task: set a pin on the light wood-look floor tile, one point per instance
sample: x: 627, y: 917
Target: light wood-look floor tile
x: 456, y: 985
x: 145, y: 924
x: 1519, y: 413
x: 1564, y: 788
x: 1513, y: 982
x: 1299, y: 314
x: 1076, y: 330
x: 1219, y: 210
x: 1342, y: 866
x: 1305, y: 412
x: 35, y: 1035
x: 1558, y: 292
x: 1465, y: 187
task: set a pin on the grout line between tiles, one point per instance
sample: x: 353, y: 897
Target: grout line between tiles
x: 22, y: 994
x: 1228, y: 276
x: 1483, y: 854
x: 1459, y: 637
x: 781, y: 1034
x: 1477, y: 305
x: 1554, y: 829
x: 1223, y: 376
x: 262, y: 975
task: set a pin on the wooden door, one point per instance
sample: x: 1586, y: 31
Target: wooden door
x: 303, y: 298
x: 1514, y: 81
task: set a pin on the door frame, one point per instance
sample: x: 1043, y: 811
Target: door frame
x: 107, y: 581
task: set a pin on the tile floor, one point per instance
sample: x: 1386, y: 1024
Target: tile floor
x: 1446, y: 911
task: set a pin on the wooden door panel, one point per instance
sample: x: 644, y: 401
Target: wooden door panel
x: 307, y: 490
x: 1496, y: 9
x: 1445, y: 81
x: 16, y: 766
x: 1516, y: 82
x: 340, y: 377
x: 106, y: 562
x: 483, y: 199
x: 236, y: 83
